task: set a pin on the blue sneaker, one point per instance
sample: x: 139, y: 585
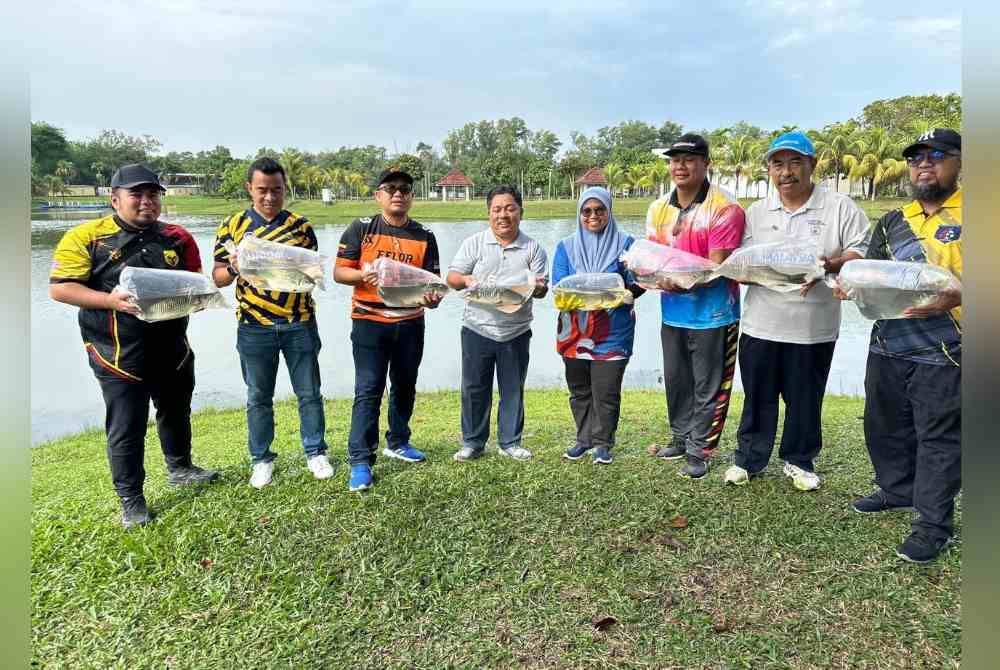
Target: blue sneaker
x: 603, y: 456
x: 361, y: 477
x: 575, y: 453
x: 404, y: 453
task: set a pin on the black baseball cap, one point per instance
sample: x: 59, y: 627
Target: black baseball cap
x: 944, y: 139
x: 689, y: 143
x: 393, y: 172
x: 135, y: 174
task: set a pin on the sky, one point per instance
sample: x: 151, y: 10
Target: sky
x: 315, y: 75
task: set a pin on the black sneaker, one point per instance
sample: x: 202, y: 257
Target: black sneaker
x: 191, y: 474
x: 672, y: 451
x: 695, y: 468
x: 921, y: 548
x: 134, y: 512
x: 876, y: 502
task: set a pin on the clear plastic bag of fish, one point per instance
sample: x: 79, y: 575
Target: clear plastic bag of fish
x: 779, y: 266
x: 885, y: 289
x: 404, y: 285
x: 651, y: 262
x: 503, y: 293
x: 589, y: 292
x: 271, y: 266
x: 161, y: 295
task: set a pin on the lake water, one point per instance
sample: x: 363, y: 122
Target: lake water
x: 65, y: 397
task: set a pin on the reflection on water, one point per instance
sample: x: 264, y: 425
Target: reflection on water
x: 65, y: 397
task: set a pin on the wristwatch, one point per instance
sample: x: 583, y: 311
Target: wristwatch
x: 232, y: 271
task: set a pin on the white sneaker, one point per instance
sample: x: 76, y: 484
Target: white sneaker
x: 517, y: 453
x: 320, y: 466
x: 467, y: 454
x: 803, y: 480
x: 736, y: 475
x: 261, y: 474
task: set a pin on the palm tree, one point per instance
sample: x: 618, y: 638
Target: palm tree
x: 356, y: 181
x: 65, y: 170
x: 659, y: 174
x: 832, y: 144
x: 874, y: 157
x: 335, y: 179
x: 294, y: 162
x: 615, y: 176
x: 740, y: 153
x: 637, y: 179
x: 97, y: 168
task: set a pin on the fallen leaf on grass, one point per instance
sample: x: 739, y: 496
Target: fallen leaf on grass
x: 264, y: 520
x: 679, y: 521
x: 652, y: 449
x: 206, y: 563
x: 671, y: 541
x: 720, y: 624
x: 604, y: 623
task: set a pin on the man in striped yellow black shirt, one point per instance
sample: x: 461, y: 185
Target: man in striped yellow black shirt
x: 271, y: 322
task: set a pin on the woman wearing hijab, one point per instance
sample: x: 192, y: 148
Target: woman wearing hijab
x: 595, y: 346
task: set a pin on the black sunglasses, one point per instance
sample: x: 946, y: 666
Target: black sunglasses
x: 390, y: 189
x: 935, y: 156
x: 596, y: 211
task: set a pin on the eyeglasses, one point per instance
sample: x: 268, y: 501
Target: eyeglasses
x: 391, y: 189
x: 587, y: 212
x: 935, y: 156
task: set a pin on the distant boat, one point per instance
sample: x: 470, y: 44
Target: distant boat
x: 73, y: 205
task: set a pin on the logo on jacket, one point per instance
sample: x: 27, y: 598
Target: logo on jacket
x: 170, y: 256
x: 948, y: 234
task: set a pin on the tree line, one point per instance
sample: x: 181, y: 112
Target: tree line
x: 864, y: 150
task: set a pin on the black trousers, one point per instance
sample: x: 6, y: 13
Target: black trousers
x: 595, y: 399
x: 913, y: 430
x: 797, y: 374
x: 170, y: 387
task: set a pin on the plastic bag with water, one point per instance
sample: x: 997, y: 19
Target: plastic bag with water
x: 651, y: 262
x: 885, y: 289
x: 271, y: 266
x: 779, y: 266
x: 589, y: 292
x: 504, y: 293
x: 169, y: 294
x: 404, y: 285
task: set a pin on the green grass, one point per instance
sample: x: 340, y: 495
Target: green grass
x: 487, y: 564
x: 344, y: 211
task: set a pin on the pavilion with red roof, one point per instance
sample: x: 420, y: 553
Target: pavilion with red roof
x: 592, y: 177
x: 452, y: 184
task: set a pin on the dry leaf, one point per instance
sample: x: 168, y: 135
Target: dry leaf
x: 206, y: 563
x: 720, y: 624
x: 652, y: 449
x: 679, y: 521
x: 671, y: 541
x: 604, y: 623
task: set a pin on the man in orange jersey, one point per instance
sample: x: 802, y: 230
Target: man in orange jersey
x: 134, y: 361
x: 273, y: 322
x: 385, y: 342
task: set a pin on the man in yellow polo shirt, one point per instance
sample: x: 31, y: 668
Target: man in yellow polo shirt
x: 913, y: 382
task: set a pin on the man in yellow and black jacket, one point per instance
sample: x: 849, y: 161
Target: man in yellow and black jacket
x: 134, y: 361
x: 913, y: 381
x: 385, y: 342
x: 273, y: 322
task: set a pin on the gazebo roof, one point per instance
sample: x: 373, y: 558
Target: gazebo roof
x: 454, y: 178
x: 592, y: 176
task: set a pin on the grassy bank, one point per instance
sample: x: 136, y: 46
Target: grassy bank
x: 344, y: 211
x: 488, y: 564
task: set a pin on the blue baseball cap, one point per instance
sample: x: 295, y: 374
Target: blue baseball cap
x: 796, y: 141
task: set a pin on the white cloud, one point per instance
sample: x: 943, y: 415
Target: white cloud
x: 786, y: 40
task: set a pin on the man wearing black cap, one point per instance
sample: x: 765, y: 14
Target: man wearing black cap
x: 134, y: 361
x: 913, y: 382
x: 385, y: 342
x: 700, y: 326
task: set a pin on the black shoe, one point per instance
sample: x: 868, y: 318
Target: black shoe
x: 134, y: 512
x: 672, y: 451
x: 875, y: 503
x: 921, y: 548
x: 191, y: 474
x: 695, y: 468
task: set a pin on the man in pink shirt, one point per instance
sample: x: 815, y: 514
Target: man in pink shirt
x: 701, y: 325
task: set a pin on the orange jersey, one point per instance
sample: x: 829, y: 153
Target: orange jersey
x: 370, y: 238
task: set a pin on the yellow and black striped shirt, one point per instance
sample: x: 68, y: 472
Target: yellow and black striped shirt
x: 255, y: 306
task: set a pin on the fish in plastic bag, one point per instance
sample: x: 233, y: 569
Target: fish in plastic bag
x: 505, y: 294
x: 589, y: 292
x: 651, y: 262
x: 271, y: 266
x: 779, y: 266
x: 169, y: 294
x: 404, y: 285
x: 885, y: 289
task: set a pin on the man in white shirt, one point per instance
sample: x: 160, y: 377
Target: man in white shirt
x: 787, y: 342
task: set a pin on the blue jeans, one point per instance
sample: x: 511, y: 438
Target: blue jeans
x: 258, y: 347
x: 480, y: 357
x: 380, y: 350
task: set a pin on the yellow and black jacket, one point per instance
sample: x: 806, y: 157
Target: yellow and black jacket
x: 256, y: 306
x: 908, y: 234
x: 94, y: 253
